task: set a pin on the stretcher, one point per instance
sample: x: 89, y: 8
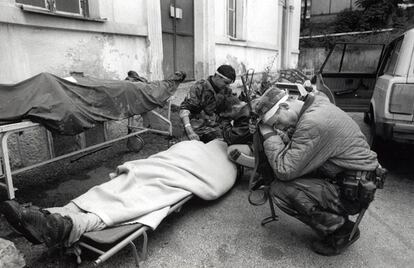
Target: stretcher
x: 69, y: 106
x: 134, y: 130
x: 106, y: 243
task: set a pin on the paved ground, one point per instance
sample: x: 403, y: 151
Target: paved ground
x: 227, y: 232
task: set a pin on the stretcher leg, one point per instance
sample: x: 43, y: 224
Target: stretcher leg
x: 6, y: 165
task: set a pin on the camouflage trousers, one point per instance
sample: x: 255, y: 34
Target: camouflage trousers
x: 315, y: 202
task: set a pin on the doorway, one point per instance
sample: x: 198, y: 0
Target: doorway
x: 177, y: 20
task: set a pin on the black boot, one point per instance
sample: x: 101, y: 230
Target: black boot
x: 37, y: 225
x: 337, y: 242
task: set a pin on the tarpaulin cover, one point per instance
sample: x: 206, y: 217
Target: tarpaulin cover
x: 70, y: 108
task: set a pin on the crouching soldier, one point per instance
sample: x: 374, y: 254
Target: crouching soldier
x: 324, y: 171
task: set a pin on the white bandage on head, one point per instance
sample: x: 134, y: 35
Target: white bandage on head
x: 224, y: 77
x: 273, y: 110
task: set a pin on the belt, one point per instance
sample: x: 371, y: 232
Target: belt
x: 357, y: 174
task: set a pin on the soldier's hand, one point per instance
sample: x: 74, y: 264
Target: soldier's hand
x: 193, y: 136
x: 252, y: 125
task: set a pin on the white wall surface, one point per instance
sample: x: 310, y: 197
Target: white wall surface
x: 31, y: 43
x: 262, y: 21
x: 261, y: 45
x: 30, y: 51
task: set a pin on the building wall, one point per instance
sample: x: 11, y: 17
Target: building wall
x: 125, y: 39
x: 130, y: 38
x: 43, y: 43
x: 261, y: 43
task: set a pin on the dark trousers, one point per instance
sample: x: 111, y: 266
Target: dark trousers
x: 315, y: 202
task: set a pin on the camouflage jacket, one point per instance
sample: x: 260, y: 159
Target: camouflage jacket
x: 203, y: 98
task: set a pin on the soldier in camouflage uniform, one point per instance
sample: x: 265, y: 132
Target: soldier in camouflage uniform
x: 200, y: 109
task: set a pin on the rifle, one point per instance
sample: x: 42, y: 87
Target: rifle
x: 257, y: 186
x: 247, y: 92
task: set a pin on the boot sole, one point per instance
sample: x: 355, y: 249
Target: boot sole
x: 10, y: 211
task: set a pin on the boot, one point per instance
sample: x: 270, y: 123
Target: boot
x: 337, y: 242
x: 37, y: 225
x: 325, y: 222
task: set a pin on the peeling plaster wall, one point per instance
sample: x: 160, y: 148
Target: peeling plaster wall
x: 38, y: 50
x: 32, y: 43
x: 59, y: 52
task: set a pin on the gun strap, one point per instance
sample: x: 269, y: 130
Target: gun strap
x: 256, y: 161
x: 261, y: 163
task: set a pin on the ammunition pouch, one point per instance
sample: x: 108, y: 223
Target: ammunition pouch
x: 360, y: 186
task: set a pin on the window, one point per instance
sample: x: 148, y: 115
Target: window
x: 353, y: 58
x: 235, y: 20
x: 333, y: 62
x: 306, y: 4
x: 361, y: 58
x: 392, y: 56
x: 69, y: 7
x: 231, y: 18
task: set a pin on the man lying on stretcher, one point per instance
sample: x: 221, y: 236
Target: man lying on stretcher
x: 139, y: 191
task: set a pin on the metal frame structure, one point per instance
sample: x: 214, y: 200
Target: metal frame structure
x: 6, y: 171
x: 103, y: 239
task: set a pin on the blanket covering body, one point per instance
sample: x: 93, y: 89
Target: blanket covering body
x: 69, y: 108
x: 152, y: 184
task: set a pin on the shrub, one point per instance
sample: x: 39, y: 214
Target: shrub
x: 348, y: 21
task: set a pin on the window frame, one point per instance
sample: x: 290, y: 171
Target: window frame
x: 233, y: 11
x: 394, y: 55
x: 50, y: 9
x: 238, y: 19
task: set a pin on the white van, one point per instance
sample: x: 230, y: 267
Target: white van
x: 376, y: 80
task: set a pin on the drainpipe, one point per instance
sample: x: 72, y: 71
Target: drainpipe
x: 285, y: 35
x: 290, y: 8
x: 155, y: 51
x: 175, y: 36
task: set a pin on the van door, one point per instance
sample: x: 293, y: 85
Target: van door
x: 349, y: 73
x: 410, y: 75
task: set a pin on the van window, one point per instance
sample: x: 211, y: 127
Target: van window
x: 392, y: 56
x: 359, y: 58
x: 354, y: 58
x: 333, y: 62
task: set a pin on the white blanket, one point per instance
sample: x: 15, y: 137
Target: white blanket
x: 153, y: 184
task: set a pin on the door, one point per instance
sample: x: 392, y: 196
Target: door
x: 349, y: 73
x: 178, y: 36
